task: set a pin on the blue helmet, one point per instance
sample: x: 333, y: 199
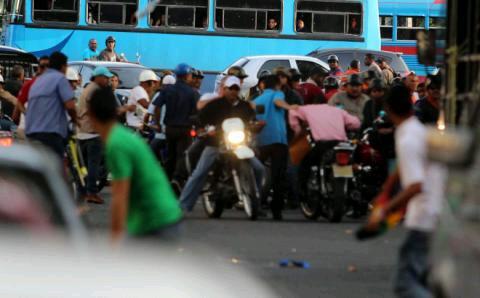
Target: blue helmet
x: 183, y: 69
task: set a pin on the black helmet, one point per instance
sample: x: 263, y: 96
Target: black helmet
x: 354, y: 79
x: 332, y: 58
x: 295, y: 74
x: 110, y: 38
x: 377, y: 84
x: 196, y: 73
x: 330, y: 82
x: 237, y: 71
x: 355, y: 63
x: 263, y: 75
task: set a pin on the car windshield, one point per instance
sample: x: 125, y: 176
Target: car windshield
x: 128, y: 76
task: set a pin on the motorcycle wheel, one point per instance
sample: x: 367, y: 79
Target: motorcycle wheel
x: 212, y: 202
x: 336, y: 204
x: 249, y: 192
x: 309, y: 202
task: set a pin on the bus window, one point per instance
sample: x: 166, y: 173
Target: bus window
x: 65, y: 11
x: 249, y: 15
x: 386, y: 27
x: 409, y: 26
x: 109, y: 12
x: 329, y: 17
x: 438, y: 24
x: 180, y: 13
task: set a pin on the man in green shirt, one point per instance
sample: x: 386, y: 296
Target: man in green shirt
x: 142, y: 199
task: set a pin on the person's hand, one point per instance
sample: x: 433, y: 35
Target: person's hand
x: 375, y: 219
x: 294, y: 107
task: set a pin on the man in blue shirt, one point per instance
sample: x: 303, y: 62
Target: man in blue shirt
x: 50, y: 97
x: 180, y: 101
x: 91, y: 53
x: 272, y: 140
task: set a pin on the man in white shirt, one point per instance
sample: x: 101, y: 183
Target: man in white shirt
x: 139, y: 99
x: 422, y: 189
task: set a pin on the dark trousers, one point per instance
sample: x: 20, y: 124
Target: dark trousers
x: 314, y: 157
x: 411, y: 279
x: 178, y: 140
x: 52, y: 141
x: 92, y: 156
x: 278, y: 155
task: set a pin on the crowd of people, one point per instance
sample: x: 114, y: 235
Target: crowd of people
x: 143, y: 199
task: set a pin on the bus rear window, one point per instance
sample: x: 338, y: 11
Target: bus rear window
x: 250, y: 15
x: 180, y: 13
x: 112, y: 12
x: 64, y: 11
x: 329, y: 17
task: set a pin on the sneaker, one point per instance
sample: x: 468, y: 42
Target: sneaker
x: 96, y: 199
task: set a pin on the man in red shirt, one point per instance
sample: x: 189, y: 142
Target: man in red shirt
x: 312, y: 88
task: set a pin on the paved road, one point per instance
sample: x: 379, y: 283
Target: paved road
x: 329, y: 248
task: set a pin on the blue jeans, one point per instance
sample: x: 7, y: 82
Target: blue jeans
x: 92, y: 154
x: 411, y: 279
x: 53, y: 141
x: 199, y: 176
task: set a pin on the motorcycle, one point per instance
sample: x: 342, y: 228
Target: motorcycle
x: 232, y: 180
x: 331, y: 186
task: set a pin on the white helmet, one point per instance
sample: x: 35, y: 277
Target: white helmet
x: 72, y: 74
x: 169, y: 80
x: 147, y: 75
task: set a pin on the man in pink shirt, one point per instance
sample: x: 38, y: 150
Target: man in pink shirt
x: 328, y: 126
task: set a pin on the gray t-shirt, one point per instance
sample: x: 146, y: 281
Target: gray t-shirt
x: 46, y: 111
x: 354, y: 106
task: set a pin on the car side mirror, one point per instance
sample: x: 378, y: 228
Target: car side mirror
x: 426, y: 47
x: 260, y: 109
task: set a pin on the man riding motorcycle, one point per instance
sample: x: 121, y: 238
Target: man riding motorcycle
x: 352, y: 99
x: 214, y: 113
x: 327, y: 125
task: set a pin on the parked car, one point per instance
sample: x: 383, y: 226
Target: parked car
x: 346, y: 55
x: 254, y: 65
x: 12, y: 56
x: 128, y: 73
x: 34, y: 196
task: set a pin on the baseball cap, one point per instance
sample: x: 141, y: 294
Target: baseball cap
x: 232, y: 81
x: 237, y: 71
x: 147, y: 75
x: 168, y: 80
x: 72, y: 75
x: 101, y: 71
x: 183, y: 69
x: 1, y: 79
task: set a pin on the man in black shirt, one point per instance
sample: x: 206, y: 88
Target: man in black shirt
x: 180, y: 100
x: 375, y: 105
x: 214, y: 113
x: 13, y: 85
x: 427, y: 109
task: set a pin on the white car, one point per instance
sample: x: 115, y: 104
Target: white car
x: 255, y: 65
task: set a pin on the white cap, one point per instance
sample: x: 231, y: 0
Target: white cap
x: 148, y: 75
x: 1, y: 79
x: 72, y: 74
x: 232, y: 81
x: 169, y: 80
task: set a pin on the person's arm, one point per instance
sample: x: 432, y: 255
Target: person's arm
x: 280, y: 102
x: 294, y: 118
x: 351, y: 122
x: 71, y: 110
x: 120, y: 191
x: 203, y: 103
x: 143, y: 102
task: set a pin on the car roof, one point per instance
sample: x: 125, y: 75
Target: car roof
x: 11, y: 49
x: 279, y: 57
x: 350, y: 50
x: 107, y: 64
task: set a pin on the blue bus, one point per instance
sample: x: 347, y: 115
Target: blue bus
x: 208, y: 34
x: 400, y: 20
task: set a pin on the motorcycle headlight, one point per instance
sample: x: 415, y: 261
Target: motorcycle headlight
x: 236, y: 137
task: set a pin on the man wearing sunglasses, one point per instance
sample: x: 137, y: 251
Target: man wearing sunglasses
x: 109, y: 54
x: 427, y: 109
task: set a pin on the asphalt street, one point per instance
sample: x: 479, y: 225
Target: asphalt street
x: 340, y: 266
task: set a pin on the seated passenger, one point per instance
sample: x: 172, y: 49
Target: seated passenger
x: 301, y: 26
x: 272, y: 24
